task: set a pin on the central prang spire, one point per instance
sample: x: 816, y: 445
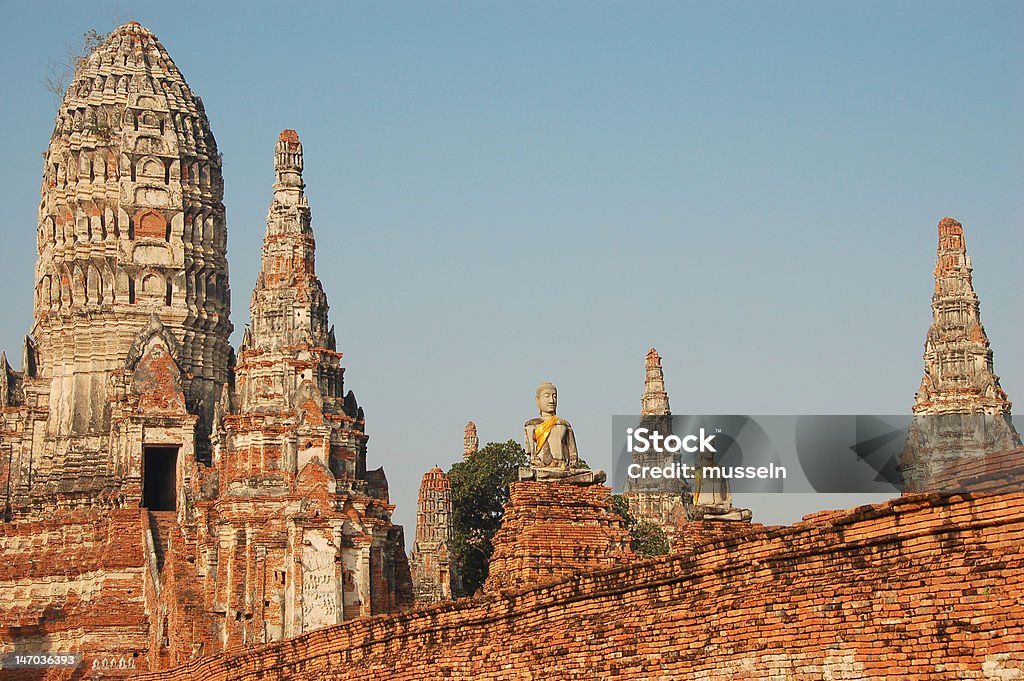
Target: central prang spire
x: 131, y: 226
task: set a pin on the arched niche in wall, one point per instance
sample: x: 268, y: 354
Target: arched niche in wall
x: 150, y: 224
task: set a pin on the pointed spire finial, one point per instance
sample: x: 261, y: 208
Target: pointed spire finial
x: 288, y: 160
x: 654, y: 401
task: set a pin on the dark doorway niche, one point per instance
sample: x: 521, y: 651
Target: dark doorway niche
x: 159, y: 478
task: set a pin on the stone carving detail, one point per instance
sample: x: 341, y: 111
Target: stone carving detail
x: 319, y: 582
x: 435, y: 573
x: 551, y: 445
x: 9, y: 379
x: 961, y: 411
x: 150, y: 224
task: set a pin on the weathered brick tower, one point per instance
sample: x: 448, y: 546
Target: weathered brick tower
x: 958, y: 373
x: 299, y: 535
x: 660, y: 501
x: 435, y: 572
x: 470, y: 441
x: 159, y: 503
x: 961, y: 411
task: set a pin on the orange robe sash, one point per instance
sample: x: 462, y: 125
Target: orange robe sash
x: 541, y: 432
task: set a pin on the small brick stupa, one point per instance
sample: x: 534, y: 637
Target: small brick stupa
x: 435, y: 573
x: 553, y: 530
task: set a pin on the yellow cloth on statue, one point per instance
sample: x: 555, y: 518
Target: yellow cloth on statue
x: 541, y: 432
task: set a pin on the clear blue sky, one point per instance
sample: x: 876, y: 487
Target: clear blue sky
x: 506, y: 193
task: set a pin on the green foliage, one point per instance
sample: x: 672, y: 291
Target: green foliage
x: 648, y: 538
x: 621, y: 506
x: 480, y: 490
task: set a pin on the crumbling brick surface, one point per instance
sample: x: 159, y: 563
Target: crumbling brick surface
x: 551, y: 530
x: 688, y: 535
x: 922, y: 587
x: 77, y: 585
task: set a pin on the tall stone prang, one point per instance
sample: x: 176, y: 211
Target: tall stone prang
x: 470, y: 441
x: 657, y: 500
x: 290, y: 441
x: 961, y: 411
x: 129, y: 346
x: 131, y: 227
x: 435, y: 572
x: 958, y: 372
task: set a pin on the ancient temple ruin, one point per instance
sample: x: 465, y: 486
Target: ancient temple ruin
x: 131, y: 228
x: 657, y: 500
x: 962, y: 414
x: 435, y: 569
x: 165, y: 501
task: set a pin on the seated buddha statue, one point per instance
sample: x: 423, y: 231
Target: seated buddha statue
x: 551, y: 445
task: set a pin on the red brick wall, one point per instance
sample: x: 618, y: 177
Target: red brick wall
x: 924, y: 587
x: 689, y: 535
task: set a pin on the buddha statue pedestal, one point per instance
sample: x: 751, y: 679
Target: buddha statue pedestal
x: 725, y: 512
x: 581, y: 476
x: 556, y: 529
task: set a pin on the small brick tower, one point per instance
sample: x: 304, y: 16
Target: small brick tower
x: 435, y: 573
x: 660, y: 501
x: 470, y: 441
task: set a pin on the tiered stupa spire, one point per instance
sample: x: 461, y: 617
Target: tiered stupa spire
x: 434, y: 570
x: 288, y: 304
x: 654, y: 401
x: 289, y: 356
x: 660, y: 500
x: 958, y: 372
x: 962, y: 414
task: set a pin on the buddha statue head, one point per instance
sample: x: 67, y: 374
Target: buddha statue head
x: 547, y: 399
